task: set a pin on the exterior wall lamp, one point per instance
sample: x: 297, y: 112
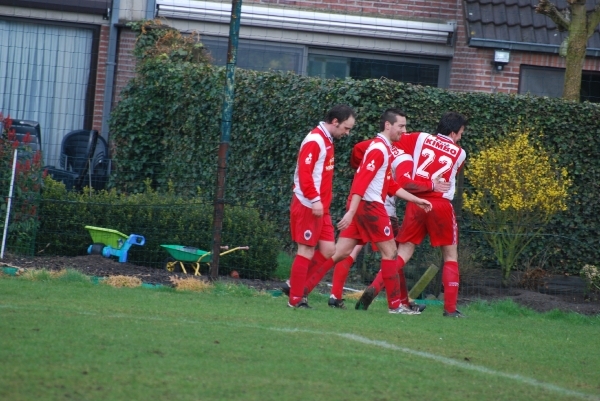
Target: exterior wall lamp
x: 501, y: 58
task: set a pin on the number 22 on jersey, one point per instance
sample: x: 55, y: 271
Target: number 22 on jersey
x: 429, y: 158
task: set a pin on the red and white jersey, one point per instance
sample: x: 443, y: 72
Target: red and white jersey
x: 433, y: 156
x: 313, y: 178
x: 402, y: 169
x: 373, y: 180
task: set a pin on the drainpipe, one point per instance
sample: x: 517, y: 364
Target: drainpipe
x: 110, y: 66
x: 150, y: 9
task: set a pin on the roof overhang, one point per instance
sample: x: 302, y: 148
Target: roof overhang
x: 523, y: 46
x: 310, y: 21
x: 99, y: 7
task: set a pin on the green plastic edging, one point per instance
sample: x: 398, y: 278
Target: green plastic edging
x: 149, y: 285
x: 96, y: 279
x: 428, y: 302
x: 11, y: 271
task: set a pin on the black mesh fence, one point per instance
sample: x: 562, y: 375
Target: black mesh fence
x: 167, y: 231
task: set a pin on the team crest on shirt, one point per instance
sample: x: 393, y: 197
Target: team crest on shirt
x: 371, y: 165
x: 330, y: 165
x: 387, y: 231
x: 308, y: 160
x: 307, y: 234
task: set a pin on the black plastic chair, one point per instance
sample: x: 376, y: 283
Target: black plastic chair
x: 30, y: 146
x: 83, y: 161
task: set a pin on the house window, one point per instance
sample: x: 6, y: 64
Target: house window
x: 543, y: 81
x: 259, y: 56
x: 46, y: 73
x: 327, y: 63
x: 328, y: 66
x: 590, y: 86
x: 540, y: 81
x: 368, y: 67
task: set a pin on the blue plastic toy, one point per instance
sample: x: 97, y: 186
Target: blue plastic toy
x: 118, y: 243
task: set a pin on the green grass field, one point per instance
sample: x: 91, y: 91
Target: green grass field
x: 68, y: 339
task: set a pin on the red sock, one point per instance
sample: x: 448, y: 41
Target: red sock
x: 317, y: 276
x: 378, y: 283
x: 340, y: 274
x: 298, y: 278
x: 389, y: 272
x: 317, y: 260
x: 402, y: 278
x: 450, y: 279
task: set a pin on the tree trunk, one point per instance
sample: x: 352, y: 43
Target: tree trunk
x: 505, y: 277
x: 575, y: 51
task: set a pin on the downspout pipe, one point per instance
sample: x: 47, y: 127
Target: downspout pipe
x: 150, y: 9
x: 110, y: 66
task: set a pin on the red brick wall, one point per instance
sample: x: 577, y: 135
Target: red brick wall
x: 413, y: 8
x: 100, y: 78
x: 471, y: 68
x: 125, y: 62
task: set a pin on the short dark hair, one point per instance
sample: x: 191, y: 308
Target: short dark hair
x: 390, y: 116
x: 451, y: 122
x: 340, y: 111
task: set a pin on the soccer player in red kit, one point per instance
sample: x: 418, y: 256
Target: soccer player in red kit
x: 402, y: 167
x: 366, y: 219
x: 310, y: 221
x: 434, y: 156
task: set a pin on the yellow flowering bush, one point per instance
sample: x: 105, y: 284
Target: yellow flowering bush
x: 516, y: 187
x: 591, y: 276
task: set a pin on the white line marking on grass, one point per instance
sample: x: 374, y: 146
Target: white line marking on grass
x: 468, y: 366
x: 353, y: 337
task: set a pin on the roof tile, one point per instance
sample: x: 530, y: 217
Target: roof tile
x: 517, y: 21
x: 512, y: 16
x: 487, y: 14
x: 526, y: 18
x: 541, y: 21
x: 500, y: 16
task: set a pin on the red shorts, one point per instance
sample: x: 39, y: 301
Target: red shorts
x: 439, y: 223
x: 395, y: 231
x: 308, y: 229
x: 371, y: 223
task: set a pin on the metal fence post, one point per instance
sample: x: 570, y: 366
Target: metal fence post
x: 226, y: 116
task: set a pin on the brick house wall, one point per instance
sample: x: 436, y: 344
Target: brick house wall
x: 125, y: 61
x: 471, y: 68
x: 100, y: 77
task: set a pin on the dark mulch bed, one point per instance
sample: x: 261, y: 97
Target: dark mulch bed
x: 542, y: 299
x: 96, y: 265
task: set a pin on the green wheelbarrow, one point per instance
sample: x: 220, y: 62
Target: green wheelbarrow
x: 192, y: 257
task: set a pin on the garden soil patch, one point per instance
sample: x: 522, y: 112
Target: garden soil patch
x: 96, y: 265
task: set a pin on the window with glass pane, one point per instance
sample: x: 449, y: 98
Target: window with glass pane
x: 258, y: 56
x: 545, y: 81
x: 363, y: 68
x: 328, y: 66
x: 541, y: 81
x: 414, y: 73
x: 590, y: 87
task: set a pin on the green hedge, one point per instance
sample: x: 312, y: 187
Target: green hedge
x: 167, y: 127
x: 162, y: 218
